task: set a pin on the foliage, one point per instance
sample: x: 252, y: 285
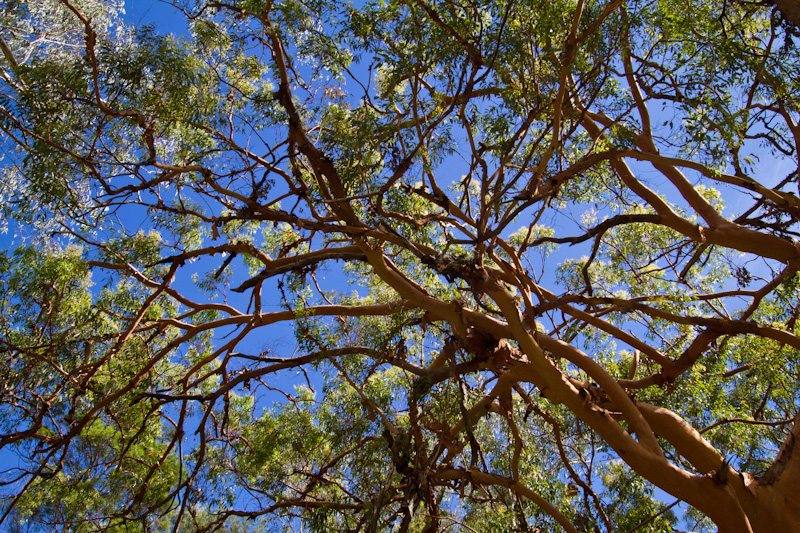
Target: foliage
x: 406, y: 265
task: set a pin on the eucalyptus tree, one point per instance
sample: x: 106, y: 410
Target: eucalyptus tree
x: 410, y: 265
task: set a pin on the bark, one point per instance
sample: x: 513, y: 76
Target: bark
x: 776, y: 505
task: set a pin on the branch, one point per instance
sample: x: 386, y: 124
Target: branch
x: 477, y: 476
x: 601, y: 228
x: 9, y: 55
x: 288, y: 264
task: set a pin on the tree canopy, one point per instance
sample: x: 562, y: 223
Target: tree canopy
x: 400, y: 265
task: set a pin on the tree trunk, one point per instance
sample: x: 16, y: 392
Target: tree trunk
x: 790, y: 9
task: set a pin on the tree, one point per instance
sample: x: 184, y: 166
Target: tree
x: 498, y: 231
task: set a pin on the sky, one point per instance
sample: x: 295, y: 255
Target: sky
x: 140, y: 12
